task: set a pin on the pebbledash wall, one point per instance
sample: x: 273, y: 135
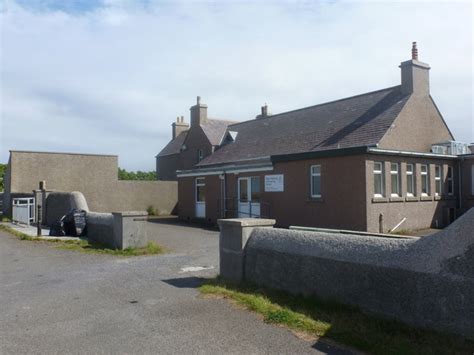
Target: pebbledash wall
x: 93, y: 175
x: 426, y: 282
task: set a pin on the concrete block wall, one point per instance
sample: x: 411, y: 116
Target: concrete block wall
x: 118, y: 230
x: 93, y: 175
x: 426, y: 282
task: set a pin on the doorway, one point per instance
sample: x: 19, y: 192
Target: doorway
x: 249, y: 197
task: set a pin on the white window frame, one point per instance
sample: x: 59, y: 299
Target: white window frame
x: 450, y: 180
x: 438, y: 180
x: 412, y: 178
x: 382, y: 178
x: 313, y: 174
x: 397, y: 173
x: 199, y: 182
x: 426, y: 174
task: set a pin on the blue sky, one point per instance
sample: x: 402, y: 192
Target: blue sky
x: 111, y: 76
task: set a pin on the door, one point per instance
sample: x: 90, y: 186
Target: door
x: 200, y: 198
x: 249, y: 197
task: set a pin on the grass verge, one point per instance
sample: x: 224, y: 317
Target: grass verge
x: 87, y: 246
x: 342, y: 324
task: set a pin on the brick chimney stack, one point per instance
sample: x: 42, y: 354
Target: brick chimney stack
x: 198, y: 113
x: 264, y: 112
x: 415, y: 75
x: 179, y: 126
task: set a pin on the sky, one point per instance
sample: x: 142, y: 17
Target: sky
x: 110, y: 76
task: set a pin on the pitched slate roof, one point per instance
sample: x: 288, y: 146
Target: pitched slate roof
x: 356, y: 121
x: 174, y: 146
x: 214, y: 129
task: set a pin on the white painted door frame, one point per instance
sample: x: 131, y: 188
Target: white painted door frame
x: 199, y: 199
x: 246, y: 207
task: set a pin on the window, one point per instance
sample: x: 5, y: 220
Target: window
x: 438, y: 180
x: 255, y: 188
x: 316, y: 181
x: 425, y: 180
x: 200, y: 190
x: 378, y: 179
x: 410, y: 180
x: 450, y: 180
x: 200, y: 154
x: 395, y: 179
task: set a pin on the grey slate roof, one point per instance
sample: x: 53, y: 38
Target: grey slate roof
x: 214, y: 129
x: 356, y: 121
x: 174, y: 146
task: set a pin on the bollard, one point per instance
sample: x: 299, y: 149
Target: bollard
x: 381, y: 223
x: 38, y: 224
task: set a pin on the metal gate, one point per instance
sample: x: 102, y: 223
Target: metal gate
x: 23, y: 210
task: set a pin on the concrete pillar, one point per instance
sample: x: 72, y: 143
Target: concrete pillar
x: 233, y: 237
x: 130, y: 229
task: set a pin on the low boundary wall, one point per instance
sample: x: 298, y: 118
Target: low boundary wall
x: 93, y: 175
x: 426, y: 282
x: 118, y: 230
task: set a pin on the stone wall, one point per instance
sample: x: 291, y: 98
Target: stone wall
x: 93, y: 175
x: 426, y: 282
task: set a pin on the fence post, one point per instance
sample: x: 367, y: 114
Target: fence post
x: 234, y: 234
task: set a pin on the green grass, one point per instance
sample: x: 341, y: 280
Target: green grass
x: 342, y: 324
x: 87, y: 246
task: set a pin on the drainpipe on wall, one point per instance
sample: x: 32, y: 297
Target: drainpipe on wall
x: 460, y: 183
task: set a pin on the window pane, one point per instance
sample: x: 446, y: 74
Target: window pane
x: 316, y: 169
x: 377, y: 166
x: 378, y: 184
x: 395, y: 184
x: 424, y: 169
x: 450, y: 180
x: 255, y: 186
x: 201, y: 193
x: 243, y: 190
x: 410, y: 185
x: 316, y: 186
x: 409, y: 168
x: 424, y: 184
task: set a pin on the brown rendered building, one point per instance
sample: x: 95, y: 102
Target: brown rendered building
x: 367, y: 162
x: 190, y: 145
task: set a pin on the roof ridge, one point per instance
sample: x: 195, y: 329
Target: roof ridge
x: 322, y: 104
x: 222, y: 120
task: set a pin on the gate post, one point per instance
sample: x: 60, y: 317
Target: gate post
x: 234, y: 234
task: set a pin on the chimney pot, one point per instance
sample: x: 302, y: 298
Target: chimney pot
x: 198, y: 100
x: 414, y: 51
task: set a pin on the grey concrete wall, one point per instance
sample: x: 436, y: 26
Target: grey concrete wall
x: 118, y: 230
x: 426, y: 282
x: 93, y: 175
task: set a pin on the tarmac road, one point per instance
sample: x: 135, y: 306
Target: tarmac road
x: 60, y: 302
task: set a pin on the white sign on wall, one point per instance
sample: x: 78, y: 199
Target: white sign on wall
x: 274, y: 183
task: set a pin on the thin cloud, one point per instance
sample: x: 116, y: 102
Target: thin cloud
x: 112, y: 76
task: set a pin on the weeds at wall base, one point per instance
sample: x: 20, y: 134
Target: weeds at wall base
x: 87, y: 246
x: 340, y: 323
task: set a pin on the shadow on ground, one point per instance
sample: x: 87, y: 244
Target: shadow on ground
x: 186, y: 282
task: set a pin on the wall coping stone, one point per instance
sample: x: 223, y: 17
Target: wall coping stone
x: 246, y: 222
x: 131, y: 213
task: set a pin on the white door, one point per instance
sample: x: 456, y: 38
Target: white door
x: 249, y: 197
x: 200, y: 198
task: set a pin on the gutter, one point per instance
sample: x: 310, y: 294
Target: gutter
x: 235, y: 169
x: 337, y: 152
x: 371, y: 150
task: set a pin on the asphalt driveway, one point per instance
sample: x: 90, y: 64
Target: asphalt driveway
x: 59, y: 302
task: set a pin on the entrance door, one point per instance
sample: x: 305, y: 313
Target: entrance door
x: 200, y: 198
x: 249, y: 197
